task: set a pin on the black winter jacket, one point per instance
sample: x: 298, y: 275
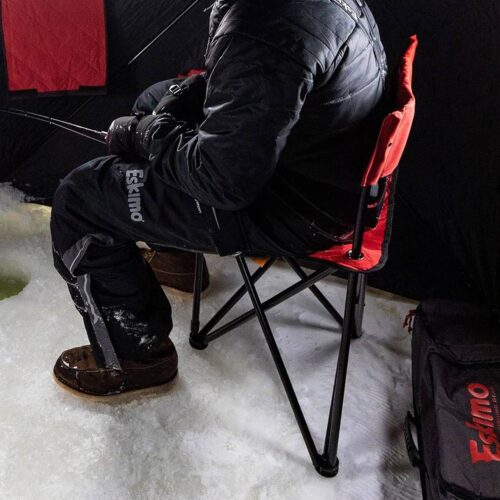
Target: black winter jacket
x: 291, y: 110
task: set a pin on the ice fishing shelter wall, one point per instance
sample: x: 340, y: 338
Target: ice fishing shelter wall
x: 35, y: 156
x: 447, y: 225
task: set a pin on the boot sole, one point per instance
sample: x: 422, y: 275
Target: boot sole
x: 121, y: 397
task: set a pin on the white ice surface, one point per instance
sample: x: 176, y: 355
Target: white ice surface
x: 225, y: 430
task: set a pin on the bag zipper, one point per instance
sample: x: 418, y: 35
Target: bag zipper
x: 474, y: 364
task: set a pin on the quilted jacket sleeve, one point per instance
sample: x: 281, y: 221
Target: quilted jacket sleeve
x: 254, y: 97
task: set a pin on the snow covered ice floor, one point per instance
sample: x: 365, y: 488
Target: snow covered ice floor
x: 225, y: 430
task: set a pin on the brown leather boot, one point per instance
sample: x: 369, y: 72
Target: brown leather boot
x: 77, y: 371
x: 175, y: 269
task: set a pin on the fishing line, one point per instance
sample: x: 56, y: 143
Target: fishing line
x: 162, y: 32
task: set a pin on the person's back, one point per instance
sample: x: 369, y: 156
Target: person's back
x: 334, y: 47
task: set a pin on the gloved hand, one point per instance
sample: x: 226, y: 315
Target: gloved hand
x: 133, y: 134
x: 185, y: 100
x: 120, y: 136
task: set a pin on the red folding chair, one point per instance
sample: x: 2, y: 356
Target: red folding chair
x: 366, y: 253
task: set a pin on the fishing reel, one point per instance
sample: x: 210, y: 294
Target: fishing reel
x: 120, y: 135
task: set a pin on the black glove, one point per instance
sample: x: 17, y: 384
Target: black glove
x: 149, y: 127
x: 185, y: 99
x: 133, y: 134
x: 120, y: 136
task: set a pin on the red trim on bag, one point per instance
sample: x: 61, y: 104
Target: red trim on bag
x: 54, y: 46
x: 409, y: 320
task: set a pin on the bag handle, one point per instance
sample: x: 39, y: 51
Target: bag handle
x: 411, y: 447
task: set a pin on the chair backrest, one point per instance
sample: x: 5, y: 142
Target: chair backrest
x: 367, y: 252
x: 396, y: 126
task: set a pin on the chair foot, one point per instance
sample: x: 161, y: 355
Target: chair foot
x: 326, y: 470
x: 356, y: 334
x: 197, y: 343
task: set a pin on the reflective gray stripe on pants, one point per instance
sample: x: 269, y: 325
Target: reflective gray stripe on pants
x: 74, y: 254
x: 100, y: 329
x: 71, y: 259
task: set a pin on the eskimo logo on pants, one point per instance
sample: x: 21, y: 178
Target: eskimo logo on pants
x: 133, y: 178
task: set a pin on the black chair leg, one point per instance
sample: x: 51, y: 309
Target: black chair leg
x: 357, y: 325
x: 314, y: 289
x: 333, y: 431
x: 197, y: 341
x: 321, y: 462
x: 327, y: 463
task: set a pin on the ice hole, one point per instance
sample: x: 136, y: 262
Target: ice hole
x: 12, y: 280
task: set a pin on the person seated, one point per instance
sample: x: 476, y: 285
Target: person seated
x: 269, y: 164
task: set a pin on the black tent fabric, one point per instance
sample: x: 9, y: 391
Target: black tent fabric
x: 447, y: 228
x: 447, y: 223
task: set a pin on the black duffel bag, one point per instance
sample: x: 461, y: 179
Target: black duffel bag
x: 456, y: 399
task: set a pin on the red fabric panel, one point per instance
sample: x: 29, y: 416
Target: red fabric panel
x: 56, y: 45
x: 192, y: 72
x: 373, y: 245
x: 396, y: 126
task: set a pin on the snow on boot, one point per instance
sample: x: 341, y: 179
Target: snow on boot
x: 76, y: 370
x: 175, y: 269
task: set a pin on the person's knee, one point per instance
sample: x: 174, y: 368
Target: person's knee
x: 69, y: 201
x: 78, y: 185
x: 68, y: 193
x: 62, y: 218
x: 64, y: 192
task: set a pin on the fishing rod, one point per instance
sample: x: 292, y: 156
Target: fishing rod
x: 88, y: 133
